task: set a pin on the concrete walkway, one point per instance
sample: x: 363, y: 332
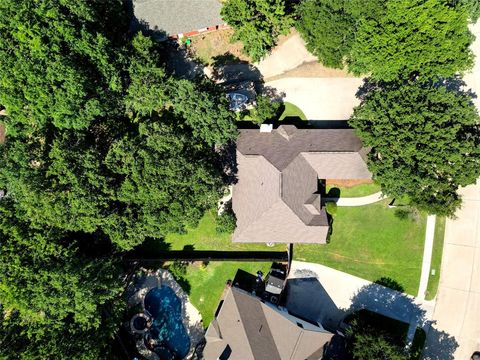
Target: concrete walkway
x: 358, y: 201
x: 427, y: 256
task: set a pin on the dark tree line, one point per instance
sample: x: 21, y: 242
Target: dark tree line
x: 104, y: 149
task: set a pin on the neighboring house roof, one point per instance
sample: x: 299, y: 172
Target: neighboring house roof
x: 174, y: 17
x: 276, y: 198
x: 247, y: 328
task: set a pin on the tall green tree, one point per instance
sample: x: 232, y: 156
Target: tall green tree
x: 167, y: 182
x: 104, y: 149
x: 56, y: 64
x: 328, y: 29
x: 425, y: 141
x: 257, y: 23
x: 426, y: 38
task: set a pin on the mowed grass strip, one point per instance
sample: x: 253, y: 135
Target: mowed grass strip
x: 371, y: 242
x: 436, y: 263
x: 356, y: 190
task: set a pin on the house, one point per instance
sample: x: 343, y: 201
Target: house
x: 176, y: 18
x: 246, y: 328
x: 277, y: 198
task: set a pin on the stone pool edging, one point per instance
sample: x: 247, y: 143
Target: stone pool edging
x: 191, y: 317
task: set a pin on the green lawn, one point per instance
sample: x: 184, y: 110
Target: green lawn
x: 367, y: 241
x: 371, y: 242
x: 207, y: 282
x: 357, y: 190
x: 292, y: 111
x: 436, y: 258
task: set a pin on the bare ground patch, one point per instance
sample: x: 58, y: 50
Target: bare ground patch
x: 206, y: 46
x: 347, y: 183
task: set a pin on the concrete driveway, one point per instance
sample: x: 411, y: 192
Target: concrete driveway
x: 326, y: 295
x: 320, y: 98
x: 457, y: 309
x: 286, y: 56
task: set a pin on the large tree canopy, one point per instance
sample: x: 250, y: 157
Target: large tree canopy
x: 425, y: 141
x: 328, y: 29
x: 257, y: 23
x: 426, y: 38
x: 56, y: 63
x: 104, y: 149
x: 129, y: 179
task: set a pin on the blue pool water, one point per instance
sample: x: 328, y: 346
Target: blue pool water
x: 167, y: 328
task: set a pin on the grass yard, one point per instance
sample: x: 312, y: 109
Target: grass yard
x: 436, y: 258
x: 208, y: 282
x: 371, y: 242
x: 292, y: 111
x: 356, y: 191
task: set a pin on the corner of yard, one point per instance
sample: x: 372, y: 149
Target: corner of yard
x: 371, y: 242
x: 206, y: 281
x: 292, y: 111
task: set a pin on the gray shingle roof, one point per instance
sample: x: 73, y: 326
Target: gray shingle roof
x: 177, y: 16
x: 276, y: 198
x: 255, y: 330
x: 284, y: 144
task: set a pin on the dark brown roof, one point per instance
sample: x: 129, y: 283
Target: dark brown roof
x: 284, y: 144
x: 254, y: 330
x: 276, y: 198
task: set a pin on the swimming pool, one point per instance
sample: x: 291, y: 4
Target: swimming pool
x: 167, y: 328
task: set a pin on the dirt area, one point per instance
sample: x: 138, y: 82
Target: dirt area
x: 2, y: 133
x: 347, y: 183
x: 313, y: 69
x: 216, y: 43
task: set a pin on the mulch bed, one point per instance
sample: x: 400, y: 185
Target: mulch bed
x: 347, y: 183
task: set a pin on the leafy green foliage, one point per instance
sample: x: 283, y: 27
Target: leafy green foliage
x: 257, y: 23
x: 56, y: 65
x: 424, y: 140
x: 167, y: 182
x: 328, y: 30
x: 264, y: 110
x: 471, y: 6
x: 104, y: 149
x: 331, y: 208
x: 369, y: 344
x: 373, y: 336
x: 226, y: 222
x: 426, y: 38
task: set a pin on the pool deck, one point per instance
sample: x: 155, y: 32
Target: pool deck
x: 192, y: 320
